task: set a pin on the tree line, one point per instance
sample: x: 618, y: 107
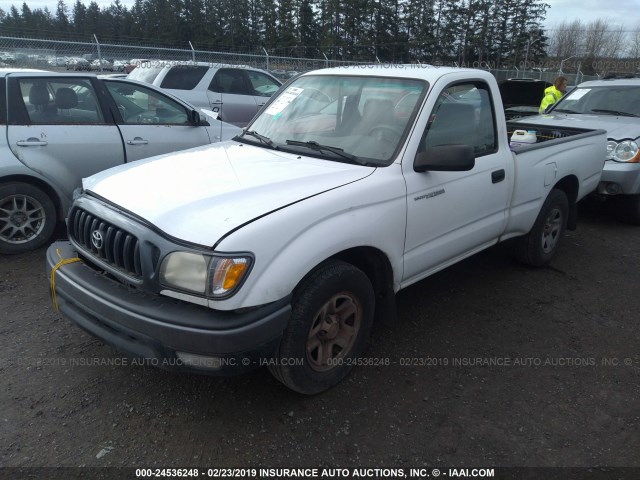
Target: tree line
x: 447, y: 31
x: 486, y: 33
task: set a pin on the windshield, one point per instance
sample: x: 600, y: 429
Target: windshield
x: 621, y: 100
x: 342, y: 118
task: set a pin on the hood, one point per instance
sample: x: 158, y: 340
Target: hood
x: 198, y: 195
x: 618, y: 128
x: 522, y: 92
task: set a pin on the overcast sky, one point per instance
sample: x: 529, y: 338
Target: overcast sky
x: 626, y: 12
x: 618, y: 12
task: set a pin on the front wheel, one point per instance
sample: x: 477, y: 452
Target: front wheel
x: 539, y: 246
x: 329, y: 327
x: 27, y: 218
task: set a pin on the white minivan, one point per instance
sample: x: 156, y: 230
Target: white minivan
x: 235, y: 92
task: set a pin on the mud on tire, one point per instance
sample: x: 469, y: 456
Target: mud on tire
x: 331, y: 319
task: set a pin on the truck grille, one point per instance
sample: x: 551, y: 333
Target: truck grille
x: 107, y: 242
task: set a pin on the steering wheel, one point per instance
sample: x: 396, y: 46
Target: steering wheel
x: 386, y: 133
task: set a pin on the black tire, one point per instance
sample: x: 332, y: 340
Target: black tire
x: 627, y: 208
x: 27, y: 218
x: 539, y: 246
x: 316, y: 326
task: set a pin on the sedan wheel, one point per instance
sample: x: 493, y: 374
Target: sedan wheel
x: 27, y: 218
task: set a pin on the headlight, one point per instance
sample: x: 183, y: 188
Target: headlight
x: 211, y: 276
x: 625, y: 151
x: 187, y: 271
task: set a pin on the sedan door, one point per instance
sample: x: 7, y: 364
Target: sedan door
x: 153, y: 123
x: 58, y: 128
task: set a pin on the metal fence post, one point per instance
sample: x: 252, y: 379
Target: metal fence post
x: 267, y: 54
x: 193, y: 53
x: 99, y: 54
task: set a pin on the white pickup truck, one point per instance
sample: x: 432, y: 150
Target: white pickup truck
x: 284, y: 245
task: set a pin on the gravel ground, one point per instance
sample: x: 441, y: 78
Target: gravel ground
x: 492, y: 364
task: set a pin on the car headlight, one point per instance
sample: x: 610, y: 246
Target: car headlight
x: 626, y: 151
x: 208, y: 275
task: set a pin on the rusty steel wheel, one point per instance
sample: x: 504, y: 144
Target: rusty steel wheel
x: 331, y: 318
x: 334, y: 331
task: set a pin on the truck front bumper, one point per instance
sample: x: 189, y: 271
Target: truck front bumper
x: 161, y: 331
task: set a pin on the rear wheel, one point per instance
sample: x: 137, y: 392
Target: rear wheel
x: 27, y: 218
x: 330, y: 324
x: 539, y: 246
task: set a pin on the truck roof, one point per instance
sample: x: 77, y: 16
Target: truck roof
x: 420, y: 71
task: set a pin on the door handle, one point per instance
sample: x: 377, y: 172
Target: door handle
x: 137, y: 141
x: 497, y: 176
x: 31, y: 142
x: 262, y: 104
x: 216, y: 102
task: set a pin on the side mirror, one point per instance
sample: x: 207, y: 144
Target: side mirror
x: 445, y: 158
x: 194, y: 118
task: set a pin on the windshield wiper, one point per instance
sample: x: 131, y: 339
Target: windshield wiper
x: 328, y: 148
x: 614, y: 112
x: 252, y: 133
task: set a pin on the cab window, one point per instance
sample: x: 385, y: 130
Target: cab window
x: 463, y: 115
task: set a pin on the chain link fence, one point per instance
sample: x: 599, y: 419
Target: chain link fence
x: 60, y: 55
x: 67, y: 55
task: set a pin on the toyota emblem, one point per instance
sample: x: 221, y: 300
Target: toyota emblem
x: 96, y: 239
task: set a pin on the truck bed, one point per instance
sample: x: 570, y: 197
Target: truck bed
x: 547, y: 134
x: 556, y: 155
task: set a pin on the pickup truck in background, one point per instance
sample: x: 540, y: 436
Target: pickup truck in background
x: 59, y: 128
x: 284, y: 245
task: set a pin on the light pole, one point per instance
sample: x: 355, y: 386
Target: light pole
x: 526, y: 56
x: 568, y: 58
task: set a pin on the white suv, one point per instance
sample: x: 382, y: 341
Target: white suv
x: 235, y: 92
x: 614, y: 105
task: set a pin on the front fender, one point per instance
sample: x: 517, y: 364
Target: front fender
x: 291, y: 242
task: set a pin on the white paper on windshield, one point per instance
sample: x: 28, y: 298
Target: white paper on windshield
x: 289, y: 95
x: 579, y: 93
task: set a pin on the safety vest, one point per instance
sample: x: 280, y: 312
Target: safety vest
x: 551, y: 96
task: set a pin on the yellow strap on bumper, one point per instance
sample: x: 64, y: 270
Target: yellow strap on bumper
x: 52, y: 281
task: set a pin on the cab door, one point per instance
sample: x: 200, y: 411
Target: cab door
x: 152, y: 123
x: 58, y: 128
x: 451, y: 214
x: 231, y: 96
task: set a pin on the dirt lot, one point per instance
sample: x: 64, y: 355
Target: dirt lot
x: 493, y: 364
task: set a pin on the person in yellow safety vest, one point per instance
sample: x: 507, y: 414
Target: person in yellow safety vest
x: 553, y: 93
